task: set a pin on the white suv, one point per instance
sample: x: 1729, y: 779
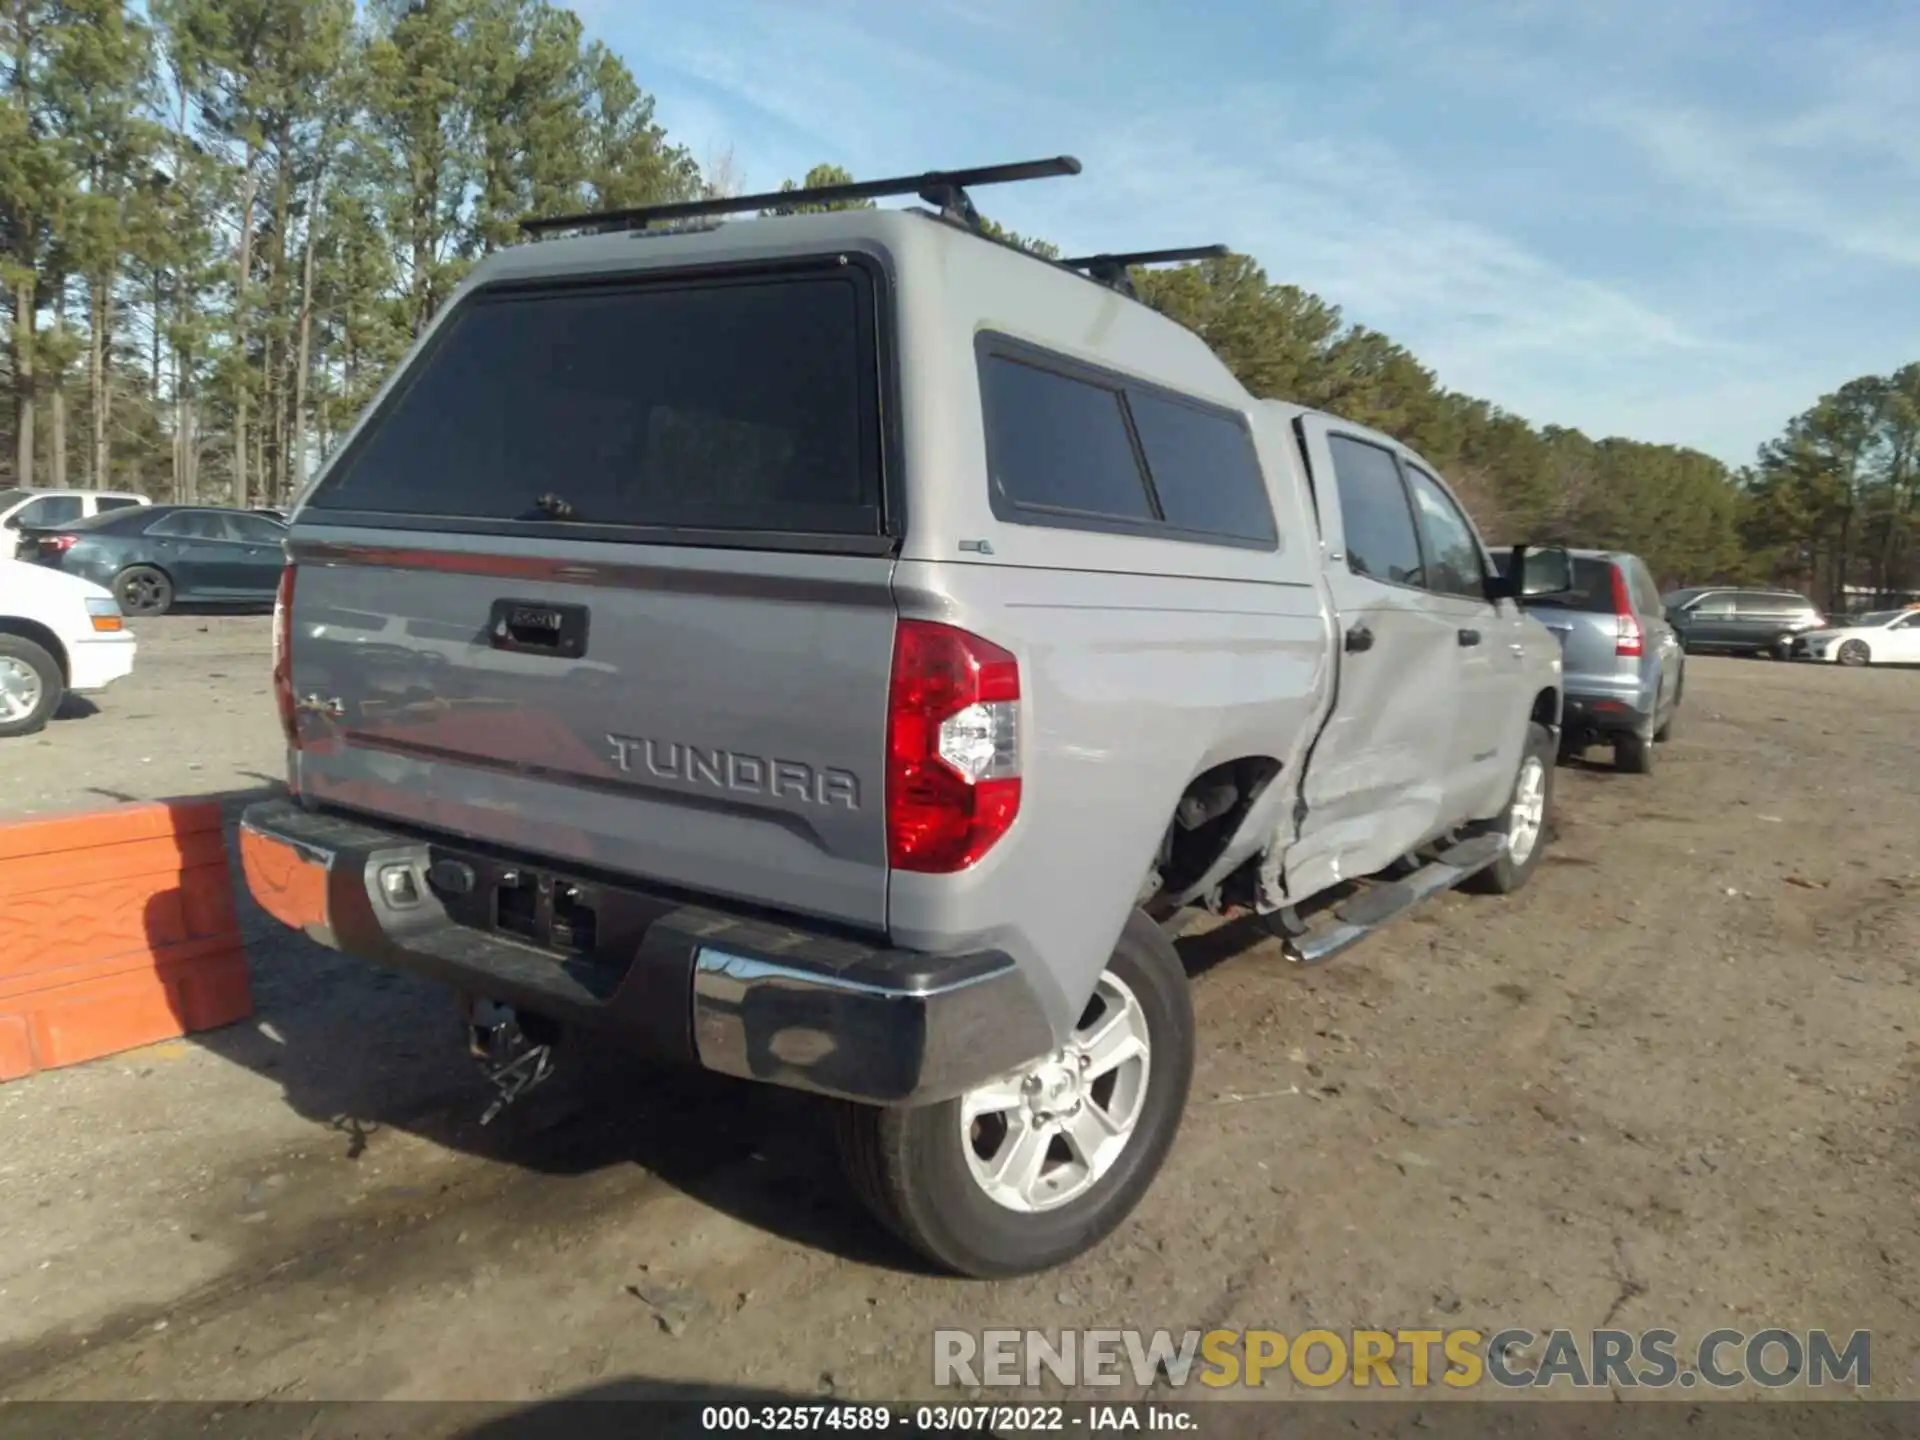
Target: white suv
x: 58, y: 634
x: 59, y: 507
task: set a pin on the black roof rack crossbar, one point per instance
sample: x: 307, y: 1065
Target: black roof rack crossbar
x: 946, y: 189
x: 1112, y: 270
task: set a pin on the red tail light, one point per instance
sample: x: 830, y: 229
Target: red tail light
x: 283, y: 657
x: 1630, y: 641
x: 57, y: 544
x: 953, y: 754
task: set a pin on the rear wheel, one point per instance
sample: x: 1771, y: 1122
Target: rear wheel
x: 1523, y: 822
x: 1855, y: 652
x: 143, y: 590
x: 1633, y: 753
x: 1037, y: 1166
x: 30, y: 686
x: 1665, y: 732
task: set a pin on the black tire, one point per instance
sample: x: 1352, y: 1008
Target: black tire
x: 143, y: 590
x: 25, y: 665
x: 1665, y: 732
x: 910, y: 1166
x: 1507, y: 874
x: 1632, y: 753
x: 1855, y: 652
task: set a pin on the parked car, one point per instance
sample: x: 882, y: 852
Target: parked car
x: 159, y: 555
x: 1748, y: 622
x: 1880, y: 637
x: 1625, y: 671
x: 45, y: 508
x: 951, y: 665
x: 59, y: 635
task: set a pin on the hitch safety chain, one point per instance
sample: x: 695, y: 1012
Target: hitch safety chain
x: 516, y: 1077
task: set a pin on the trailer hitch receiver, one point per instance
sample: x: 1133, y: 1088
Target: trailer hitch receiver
x: 512, y: 1060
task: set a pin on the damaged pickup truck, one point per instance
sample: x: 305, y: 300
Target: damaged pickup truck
x: 839, y: 650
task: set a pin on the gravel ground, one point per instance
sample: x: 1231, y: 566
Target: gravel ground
x: 1673, y: 1083
x: 195, y: 717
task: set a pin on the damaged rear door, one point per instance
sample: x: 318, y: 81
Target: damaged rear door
x: 1377, y: 783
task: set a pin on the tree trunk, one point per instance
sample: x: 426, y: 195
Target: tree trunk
x: 57, y: 404
x: 1900, y: 469
x: 264, y: 456
x: 185, y: 486
x: 297, y: 460
x: 153, y: 360
x: 98, y: 390
x: 26, y: 312
x: 426, y: 211
x: 278, y: 372
x: 243, y: 274
x: 24, y: 316
x: 261, y: 480
x: 282, y: 464
x: 1842, y: 560
x: 189, y: 491
x: 178, y: 489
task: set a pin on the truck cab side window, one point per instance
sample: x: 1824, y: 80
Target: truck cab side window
x: 1454, y: 565
x: 1373, y: 505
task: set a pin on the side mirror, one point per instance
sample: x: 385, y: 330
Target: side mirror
x: 1531, y: 572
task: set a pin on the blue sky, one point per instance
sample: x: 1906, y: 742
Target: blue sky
x: 1680, y: 222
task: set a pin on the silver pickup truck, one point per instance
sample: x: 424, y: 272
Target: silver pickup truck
x: 839, y: 650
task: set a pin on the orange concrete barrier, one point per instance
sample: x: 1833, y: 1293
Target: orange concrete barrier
x: 117, y: 929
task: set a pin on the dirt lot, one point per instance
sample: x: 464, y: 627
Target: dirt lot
x: 1672, y: 1083
x: 195, y: 717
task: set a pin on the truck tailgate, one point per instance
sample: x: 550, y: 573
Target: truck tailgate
x: 604, y: 578
x: 722, y: 727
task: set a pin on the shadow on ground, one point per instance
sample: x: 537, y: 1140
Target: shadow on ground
x: 75, y: 707
x: 362, y: 1049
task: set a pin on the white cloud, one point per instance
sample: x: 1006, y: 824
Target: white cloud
x: 1821, y: 143
x: 1800, y: 174
x: 1345, y: 218
x: 1827, y: 154
x: 1354, y: 224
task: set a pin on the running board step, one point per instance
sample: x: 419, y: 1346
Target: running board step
x: 1355, y: 919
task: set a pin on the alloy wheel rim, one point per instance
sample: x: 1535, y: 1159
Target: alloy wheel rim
x: 20, y: 689
x: 1042, y: 1136
x: 1529, y: 813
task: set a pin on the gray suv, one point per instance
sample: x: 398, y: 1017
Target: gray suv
x: 1625, y: 671
x: 841, y: 650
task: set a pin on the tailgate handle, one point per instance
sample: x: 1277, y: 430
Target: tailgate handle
x: 537, y: 627
x: 1469, y: 637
